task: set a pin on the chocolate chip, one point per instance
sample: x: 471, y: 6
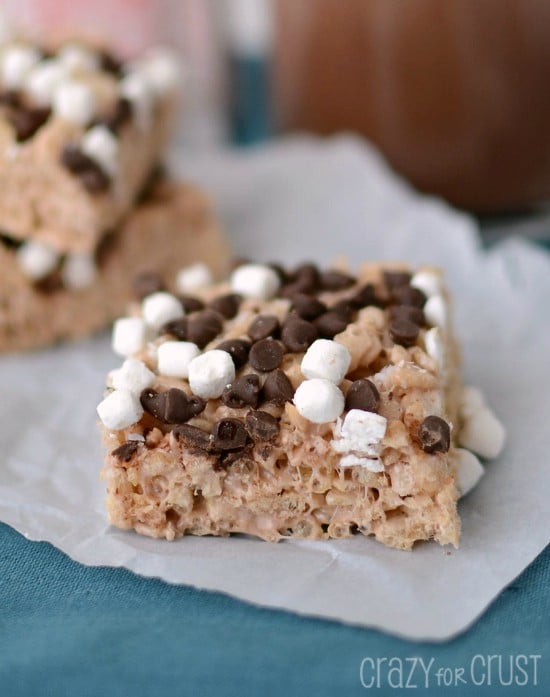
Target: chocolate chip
x: 171, y: 407
x: 365, y: 297
x: 27, y: 121
x: 280, y: 271
x: 362, y: 394
x: 110, y: 63
x: 435, y: 435
x: 238, y: 349
x: 403, y: 331
x: 203, y: 327
x: 177, y: 328
x: 407, y: 312
x: 277, y: 388
x: 263, y: 326
x: 87, y: 170
x: 10, y: 98
x: 226, y: 305
x: 394, y: 279
x: 329, y: 324
x: 407, y: 295
x: 193, y: 438
x: 146, y: 283
x: 297, y: 334
x: 306, y: 307
x: 335, y: 280
x: 120, y: 115
x: 304, y: 279
x: 190, y: 303
x: 344, y: 308
x: 126, y: 451
x: 266, y: 355
x: 229, y: 435
x: 261, y: 426
x: 243, y: 391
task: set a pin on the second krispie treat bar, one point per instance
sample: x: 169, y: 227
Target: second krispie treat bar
x: 80, y: 134
x: 46, y: 298
x: 310, y: 404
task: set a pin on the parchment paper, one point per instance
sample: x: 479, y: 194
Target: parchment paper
x: 304, y: 199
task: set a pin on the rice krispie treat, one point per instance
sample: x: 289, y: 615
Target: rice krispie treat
x: 47, y: 297
x: 310, y: 404
x: 80, y: 134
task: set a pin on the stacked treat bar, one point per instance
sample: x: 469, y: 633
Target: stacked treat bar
x: 302, y: 403
x: 82, y: 205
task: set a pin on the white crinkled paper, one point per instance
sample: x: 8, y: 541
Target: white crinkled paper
x: 296, y: 200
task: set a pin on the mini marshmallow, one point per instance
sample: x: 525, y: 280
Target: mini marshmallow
x: 160, y: 308
x: 471, y: 401
x: 193, y: 277
x: 210, y: 373
x: 469, y: 470
x: 74, y: 101
x: 433, y: 342
x: 137, y: 89
x: 129, y: 336
x: 119, y: 410
x: 102, y: 147
x: 37, y: 260
x: 174, y: 357
x: 43, y: 80
x: 255, y: 281
x: 163, y: 69
x: 361, y: 432
x: 435, y: 311
x: 17, y: 62
x: 319, y: 400
x: 133, y: 376
x: 373, y: 464
x: 79, y: 271
x: 428, y: 282
x: 326, y: 359
x: 483, y: 433
x: 76, y: 57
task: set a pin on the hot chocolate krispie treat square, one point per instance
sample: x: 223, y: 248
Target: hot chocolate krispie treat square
x: 80, y: 134
x: 308, y: 403
x: 44, y: 301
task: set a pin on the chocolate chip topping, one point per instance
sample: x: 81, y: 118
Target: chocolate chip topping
x: 190, y: 303
x: 10, y: 98
x: 263, y: 326
x: 362, y: 394
x: 203, y: 327
x: 27, y: 121
x: 407, y: 312
x: 126, y: 451
x: 177, y: 328
x: 329, y: 324
x: 171, y: 407
x: 394, y: 279
x: 238, y: 349
x: 110, y: 63
x: 277, y: 388
x: 304, y: 279
x: 280, y: 271
x: 297, y: 334
x: 92, y: 177
x: 407, y: 295
x: 365, y: 297
x: 193, y: 438
x: 261, y: 426
x: 243, y: 391
x: 266, y: 355
x: 146, y: 283
x: 306, y: 307
x: 344, y: 308
x: 403, y: 331
x: 229, y: 435
x: 435, y: 435
x: 226, y: 305
x: 335, y: 280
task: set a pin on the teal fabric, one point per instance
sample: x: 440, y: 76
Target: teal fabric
x: 66, y: 629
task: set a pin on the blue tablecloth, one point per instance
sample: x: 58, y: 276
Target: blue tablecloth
x: 66, y: 629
